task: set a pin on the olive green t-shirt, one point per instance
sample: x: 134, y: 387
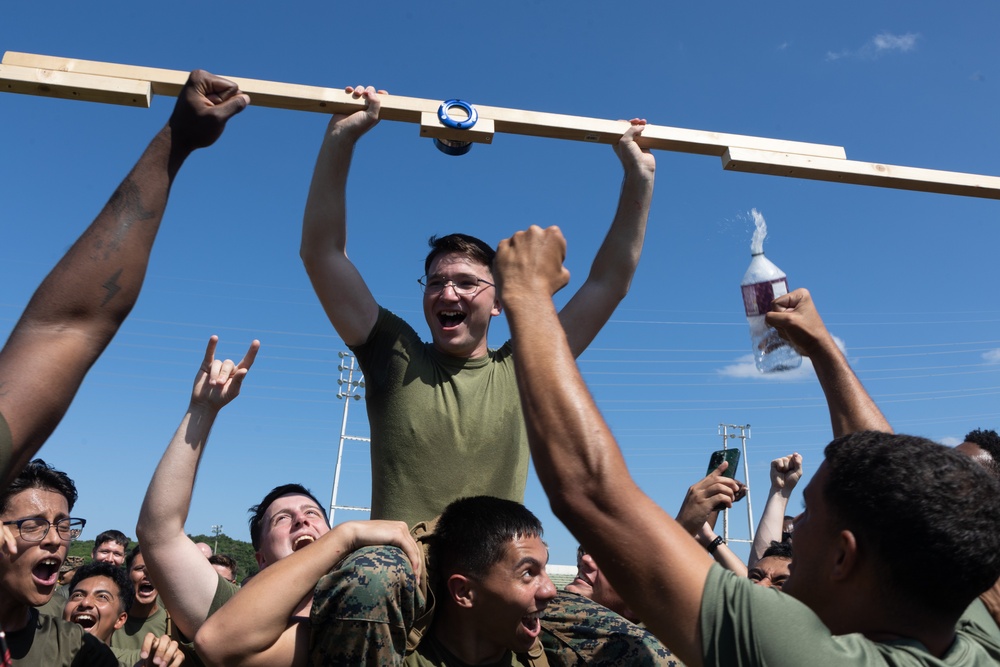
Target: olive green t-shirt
x: 743, y: 624
x: 48, y: 641
x: 431, y: 653
x: 442, y: 428
x: 133, y: 633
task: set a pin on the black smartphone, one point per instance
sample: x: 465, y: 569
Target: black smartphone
x: 731, y: 455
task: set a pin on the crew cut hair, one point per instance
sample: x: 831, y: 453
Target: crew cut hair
x: 917, y: 507
x: 258, y: 510
x: 473, y: 534
x: 470, y: 247
x: 40, y: 475
x: 116, y: 536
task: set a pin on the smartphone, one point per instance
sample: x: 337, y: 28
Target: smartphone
x: 731, y: 455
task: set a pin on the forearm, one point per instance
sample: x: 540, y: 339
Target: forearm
x: 851, y: 408
x: 324, y: 224
x: 272, y: 599
x: 168, y: 498
x: 722, y: 554
x: 771, y: 522
x: 618, y: 256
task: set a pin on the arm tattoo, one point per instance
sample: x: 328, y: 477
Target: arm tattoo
x: 111, y: 284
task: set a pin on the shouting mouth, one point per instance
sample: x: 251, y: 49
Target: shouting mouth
x: 46, y: 572
x: 301, y: 541
x: 532, y: 624
x: 84, y: 619
x: 450, y: 319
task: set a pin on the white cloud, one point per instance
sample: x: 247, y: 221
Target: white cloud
x: 992, y: 357
x: 782, y: 46
x: 744, y: 367
x: 951, y: 441
x: 889, y: 42
x: 877, y: 46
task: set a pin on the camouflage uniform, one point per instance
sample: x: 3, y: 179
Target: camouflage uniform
x: 368, y: 611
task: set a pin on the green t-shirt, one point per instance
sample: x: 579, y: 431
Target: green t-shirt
x: 743, y: 624
x: 431, y: 653
x: 47, y: 641
x: 132, y: 634
x: 442, y: 428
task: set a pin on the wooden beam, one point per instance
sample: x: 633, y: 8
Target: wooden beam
x: 861, y: 173
x: 103, y: 82
x: 72, y: 86
x: 409, y: 110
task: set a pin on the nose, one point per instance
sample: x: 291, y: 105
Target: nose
x: 765, y: 582
x: 546, y: 590
x: 52, y: 537
x: 449, y: 291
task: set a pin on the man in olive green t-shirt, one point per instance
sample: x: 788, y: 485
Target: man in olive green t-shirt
x: 897, y: 539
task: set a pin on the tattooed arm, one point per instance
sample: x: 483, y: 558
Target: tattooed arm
x: 78, y: 308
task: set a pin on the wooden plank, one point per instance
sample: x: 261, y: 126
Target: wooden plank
x: 409, y: 109
x: 72, y: 86
x: 480, y: 133
x: 861, y: 173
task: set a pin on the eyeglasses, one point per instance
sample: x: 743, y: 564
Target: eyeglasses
x: 34, y: 529
x: 464, y: 285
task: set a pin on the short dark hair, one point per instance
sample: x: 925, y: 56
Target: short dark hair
x: 472, y: 535
x: 463, y: 244
x: 989, y: 442
x: 257, y: 511
x: 778, y: 550
x: 40, y: 475
x: 130, y: 557
x: 917, y: 507
x: 116, y: 574
x: 224, y: 561
x: 116, y: 536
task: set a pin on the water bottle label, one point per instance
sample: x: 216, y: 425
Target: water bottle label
x: 757, y: 298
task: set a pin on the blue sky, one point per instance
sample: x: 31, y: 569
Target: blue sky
x: 906, y: 280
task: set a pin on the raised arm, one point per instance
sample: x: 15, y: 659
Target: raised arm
x: 795, y: 317
x: 785, y: 474
x: 274, y: 597
x: 616, y: 260
x: 184, y: 578
x: 78, y: 308
x: 341, y: 290
x: 648, y: 557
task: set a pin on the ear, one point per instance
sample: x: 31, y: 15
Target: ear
x: 846, y: 563
x: 497, y: 308
x: 461, y: 590
x: 122, y: 617
x: 260, y: 560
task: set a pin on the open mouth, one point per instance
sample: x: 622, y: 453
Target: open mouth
x: 532, y: 624
x: 146, y: 589
x: 301, y: 541
x: 450, y: 318
x: 46, y: 572
x: 84, y: 619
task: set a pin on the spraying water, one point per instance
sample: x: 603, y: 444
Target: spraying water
x: 759, y: 234
x: 761, y: 284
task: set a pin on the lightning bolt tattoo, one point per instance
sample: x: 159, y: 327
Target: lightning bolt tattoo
x: 111, y: 284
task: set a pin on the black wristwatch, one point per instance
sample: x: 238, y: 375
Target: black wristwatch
x: 715, y: 544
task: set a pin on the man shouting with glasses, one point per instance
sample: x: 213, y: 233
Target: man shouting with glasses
x: 36, y: 532
x: 445, y: 418
x: 445, y: 415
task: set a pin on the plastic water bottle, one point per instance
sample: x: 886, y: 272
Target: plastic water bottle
x: 762, y: 283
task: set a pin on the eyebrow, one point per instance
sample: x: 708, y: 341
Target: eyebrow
x: 527, y: 560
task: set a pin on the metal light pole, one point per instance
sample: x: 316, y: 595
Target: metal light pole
x: 348, y: 390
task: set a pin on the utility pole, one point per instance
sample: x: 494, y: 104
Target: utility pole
x: 216, y: 530
x: 348, y: 390
x: 744, y: 435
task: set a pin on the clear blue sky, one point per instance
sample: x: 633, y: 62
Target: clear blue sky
x: 906, y: 280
